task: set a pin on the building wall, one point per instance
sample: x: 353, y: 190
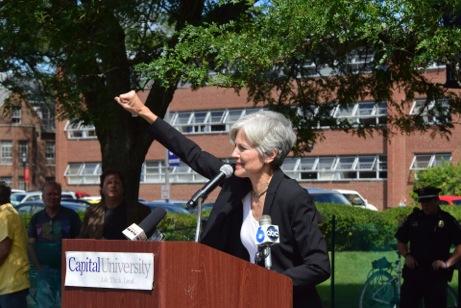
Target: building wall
x: 398, y: 148
x: 27, y: 130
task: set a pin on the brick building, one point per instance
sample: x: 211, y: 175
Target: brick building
x: 27, y: 143
x: 381, y: 168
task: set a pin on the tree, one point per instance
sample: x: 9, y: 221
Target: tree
x: 288, y: 53
x: 81, y: 54
x: 299, y: 53
x: 446, y: 176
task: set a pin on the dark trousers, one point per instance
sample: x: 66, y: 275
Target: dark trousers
x: 423, y: 284
x: 14, y: 300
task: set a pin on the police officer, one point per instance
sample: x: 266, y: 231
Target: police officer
x: 424, y: 239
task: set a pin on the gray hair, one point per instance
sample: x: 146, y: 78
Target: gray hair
x: 267, y: 131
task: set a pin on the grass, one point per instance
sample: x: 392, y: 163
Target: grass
x: 351, y: 271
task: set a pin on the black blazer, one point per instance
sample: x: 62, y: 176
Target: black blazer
x: 302, y: 253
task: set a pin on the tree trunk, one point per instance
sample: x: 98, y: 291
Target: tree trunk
x: 124, y: 139
x: 126, y: 142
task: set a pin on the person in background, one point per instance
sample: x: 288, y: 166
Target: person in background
x: 107, y: 219
x: 258, y: 186
x: 424, y: 240
x: 47, y: 228
x: 14, y: 263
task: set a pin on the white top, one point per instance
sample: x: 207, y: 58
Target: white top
x: 249, y: 227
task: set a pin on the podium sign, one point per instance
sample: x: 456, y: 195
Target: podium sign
x: 187, y: 274
x: 112, y: 270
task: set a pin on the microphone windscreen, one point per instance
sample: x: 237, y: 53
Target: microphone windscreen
x: 265, y: 220
x: 227, y: 170
x: 149, y: 223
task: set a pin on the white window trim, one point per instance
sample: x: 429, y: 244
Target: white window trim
x: 207, y: 126
x: 429, y: 119
x: 50, y: 160
x: 176, y: 174
x: 79, y: 177
x: 334, y: 172
x: 355, y: 117
x: 86, y: 131
x: 6, y: 145
x: 16, y: 116
x: 433, y: 161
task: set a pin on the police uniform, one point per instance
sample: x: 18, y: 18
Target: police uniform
x: 430, y: 238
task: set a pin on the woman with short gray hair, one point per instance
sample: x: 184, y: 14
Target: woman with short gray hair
x: 257, y: 187
x: 267, y: 131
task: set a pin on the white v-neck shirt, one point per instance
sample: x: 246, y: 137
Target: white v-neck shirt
x: 249, y: 227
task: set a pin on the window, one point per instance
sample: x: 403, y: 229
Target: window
x: 46, y: 114
x: 16, y: 115
x: 155, y: 172
x: 6, y: 152
x: 22, y: 184
x: 207, y: 121
x: 336, y: 168
x: 23, y: 151
x: 151, y: 172
x: 83, y: 173
x: 50, y: 152
x: 80, y: 131
x: 365, y: 113
x: 290, y: 164
x: 432, y: 112
x: 360, y: 60
x: 425, y: 161
x: 217, y: 121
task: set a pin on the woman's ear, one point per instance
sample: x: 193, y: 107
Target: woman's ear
x: 269, y: 158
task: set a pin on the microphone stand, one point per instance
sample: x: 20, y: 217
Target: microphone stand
x: 199, y: 219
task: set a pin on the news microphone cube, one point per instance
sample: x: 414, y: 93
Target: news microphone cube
x: 134, y: 233
x: 267, y: 235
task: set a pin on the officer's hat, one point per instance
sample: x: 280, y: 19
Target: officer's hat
x: 427, y: 193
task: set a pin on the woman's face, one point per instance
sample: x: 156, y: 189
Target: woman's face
x: 248, y: 161
x: 112, y: 186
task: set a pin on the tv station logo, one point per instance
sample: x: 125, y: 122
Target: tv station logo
x: 267, y: 234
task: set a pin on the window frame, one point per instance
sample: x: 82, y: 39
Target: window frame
x: 336, y: 168
x: 434, y: 160
x: 6, y: 147
x: 76, y: 131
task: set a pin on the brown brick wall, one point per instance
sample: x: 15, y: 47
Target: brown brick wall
x: 28, y: 130
x: 399, y: 149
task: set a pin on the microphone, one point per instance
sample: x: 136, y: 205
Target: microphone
x: 146, y: 227
x: 266, y: 235
x: 224, y: 172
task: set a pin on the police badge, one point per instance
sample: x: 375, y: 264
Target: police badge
x: 441, y: 223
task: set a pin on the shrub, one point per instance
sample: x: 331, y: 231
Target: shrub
x: 445, y: 176
x: 356, y: 228
x: 176, y: 227
x: 361, y: 229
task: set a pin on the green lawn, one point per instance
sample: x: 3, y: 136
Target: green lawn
x: 351, y: 270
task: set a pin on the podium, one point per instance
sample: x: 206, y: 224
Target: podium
x: 186, y: 274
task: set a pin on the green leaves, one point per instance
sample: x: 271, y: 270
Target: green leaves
x: 298, y: 53
x: 446, y: 176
